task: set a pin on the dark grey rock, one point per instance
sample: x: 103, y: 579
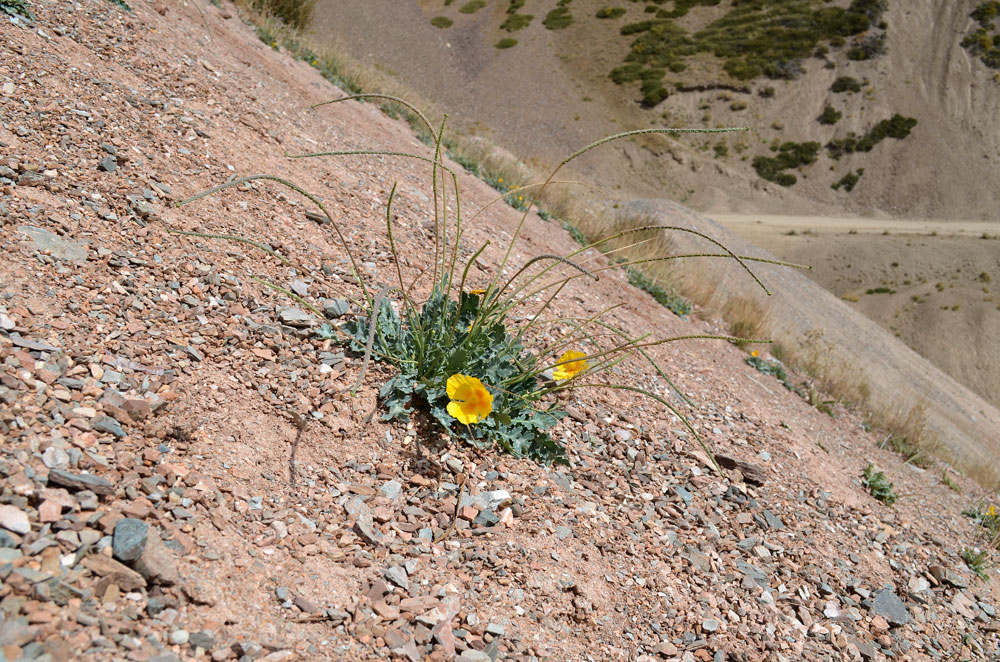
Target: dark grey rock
x: 90, y: 482
x: 108, y: 164
x: 108, y: 424
x: 888, y: 605
x: 773, y: 520
x: 684, y: 494
x: 129, y: 539
x: 203, y: 640
x: 334, y: 308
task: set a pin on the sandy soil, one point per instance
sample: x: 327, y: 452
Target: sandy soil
x: 938, y: 281
x: 186, y: 474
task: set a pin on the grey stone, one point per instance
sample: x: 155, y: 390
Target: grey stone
x: 472, y: 655
x: 281, y: 593
x: 397, y: 575
x: 773, y: 520
x: 684, y: 494
x: 60, y: 248
x: 295, y: 318
x: 129, y: 539
x: 334, y: 308
x: 710, y: 625
x: 392, y: 490
x: 95, y: 484
x: 55, y: 458
x: 108, y: 164
x: 108, y: 424
x: 15, y: 633
x: 203, y: 640
x: 945, y: 576
x: 888, y: 605
x: 486, y: 500
x: 300, y: 287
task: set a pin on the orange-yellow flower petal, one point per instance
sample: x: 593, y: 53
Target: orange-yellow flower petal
x: 571, y: 365
x: 478, y: 293
x: 470, y: 401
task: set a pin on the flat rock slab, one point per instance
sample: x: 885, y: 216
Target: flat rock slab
x: 58, y: 247
x: 888, y: 605
x: 95, y: 484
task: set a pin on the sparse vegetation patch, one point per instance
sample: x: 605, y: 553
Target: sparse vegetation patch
x: 830, y: 115
x: 441, y: 22
x: 846, y: 84
x: 559, y: 18
x: 753, y: 39
x: 610, y: 12
x: 984, y: 40
x: 790, y: 155
x: 848, y: 181
x: 897, y: 127
x: 19, y: 8
x: 878, y: 485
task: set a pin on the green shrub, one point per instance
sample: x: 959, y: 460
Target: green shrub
x: 668, y: 300
x: 848, y: 183
x: 878, y: 485
x: 610, y: 12
x: 984, y: 41
x: 472, y: 6
x: 897, y: 127
x: 867, y: 48
x: 559, y: 18
x: 19, y: 8
x: 753, y: 38
x: 506, y: 42
x: 721, y: 150
x: 441, y: 22
x: 790, y: 155
x: 830, y: 115
x: 846, y: 84
x: 766, y: 92
x: 880, y: 290
x: 976, y: 560
x: 515, y: 22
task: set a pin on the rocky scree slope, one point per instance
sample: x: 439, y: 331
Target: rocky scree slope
x: 184, y: 476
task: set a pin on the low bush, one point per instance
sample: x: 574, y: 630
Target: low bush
x: 610, y: 12
x: 790, y: 155
x: 845, y: 84
x: 848, y: 181
x: 830, y: 115
x: 878, y: 485
x: 559, y: 18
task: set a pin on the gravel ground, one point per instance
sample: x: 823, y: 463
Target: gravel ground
x: 186, y: 475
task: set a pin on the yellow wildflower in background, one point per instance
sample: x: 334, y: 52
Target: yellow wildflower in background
x: 470, y: 401
x: 478, y: 293
x: 570, y: 367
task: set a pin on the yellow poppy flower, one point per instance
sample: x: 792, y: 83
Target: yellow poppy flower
x: 478, y: 293
x: 570, y: 365
x: 470, y: 401
x: 755, y: 353
x: 993, y: 511
x: 500, y: 179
